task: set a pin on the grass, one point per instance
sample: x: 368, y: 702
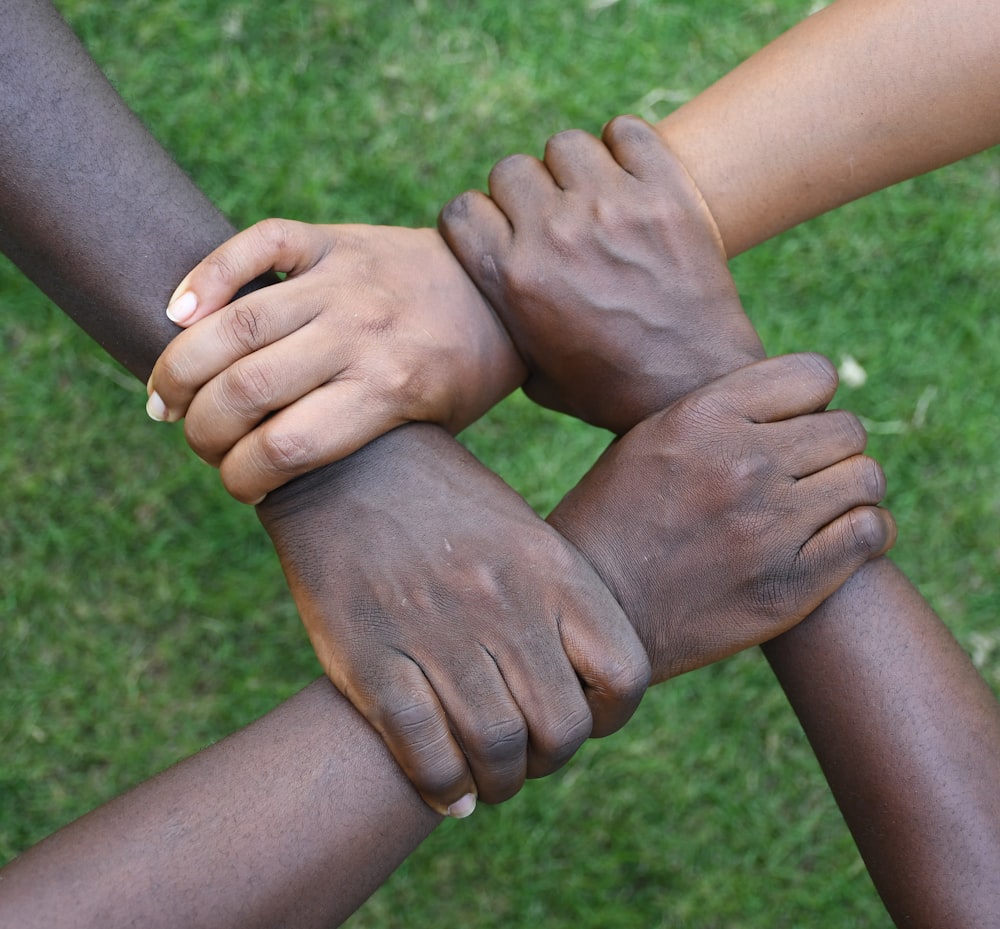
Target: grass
x: 145, y: 614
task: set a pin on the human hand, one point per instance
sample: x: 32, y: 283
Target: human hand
x: 481, y: 645
x: 373, y: 327
x: 724, y: 520
x: 605, y: 266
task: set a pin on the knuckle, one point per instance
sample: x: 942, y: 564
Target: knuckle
x: 200, y: 441
x: 457, y: 209
x: 382, y: 325
x: 872, y: 479
x: 286, y: 452
x: 624, y: 675
x: 172, y: 371
x: 567, y: 141
x: 703, y: 414
x: 244, y: 325
x: 557, y: 741
x: 867, y: 532
x: 627, y: 128
x: 750, y: 468
x: 562, y: 232
x: 414, y: 720
x: 508, y: 168
x: 405, y: 387
x: 502, y: 742
x: 849, y: 427
x: 744, y: 486
x: 222, y: 265
x: 820, y: 369
x: 272, y: 234
x: 248, y: 387
x: 419, y: 739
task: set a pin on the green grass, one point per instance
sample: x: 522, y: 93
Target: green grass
x: 145, y: 614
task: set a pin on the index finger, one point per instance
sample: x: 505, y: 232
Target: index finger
x: 772, y: 390
x: 272, y: 245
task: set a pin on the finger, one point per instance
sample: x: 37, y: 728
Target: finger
x: 199, y: 354
x: 478, y: 232
x: 814, y: 441
x: 521, y: 186
x: 245, y: 391
x: 281, y: 245
x: 834, y: 553
x: 323, y: 427
x: 575, y: 158
x: 610, y: 661
x: 550, y: 695
x: 775, y: 389
x: 639, y: 150
x: 856, y: 481
x: 407, y: 714
x: 486, y: 721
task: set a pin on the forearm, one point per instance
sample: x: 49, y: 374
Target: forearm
x: 857, y: 97
x: 908, y: 735
x: 294, y: 820
x: 99, y: 216
x: 92, y: 209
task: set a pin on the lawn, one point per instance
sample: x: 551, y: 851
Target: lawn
x: 145, y: 614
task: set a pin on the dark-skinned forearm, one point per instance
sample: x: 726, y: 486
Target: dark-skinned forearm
x: 292, y: 821
x: 908, y: 736
x: 99, y: 216
x: 92, y: 209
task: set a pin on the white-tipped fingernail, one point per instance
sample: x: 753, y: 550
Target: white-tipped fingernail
x: 464, y: 807
x: 156, y: 408
x: 182, y: 308
x: 259, y: 500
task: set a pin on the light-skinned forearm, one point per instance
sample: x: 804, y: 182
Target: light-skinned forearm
x: 859, y: 96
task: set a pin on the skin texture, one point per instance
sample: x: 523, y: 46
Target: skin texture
x: 398, y: 357
x: 249, y: 832
x: 906, y: 730
x: 912, y: 754
x: 859, y: 96
x: 822, y: 665
x: 410, y: 647
x: 751, y: 461
x: 71, y: 223
x: 671, y: 303
x: 293, y: 821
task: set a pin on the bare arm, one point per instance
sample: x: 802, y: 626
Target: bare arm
x: 861, y: 95
x: 907, y: 731
x: 908, y: 735
x: 92, y: 209
x: 292, y: 821
x: 99, y: 216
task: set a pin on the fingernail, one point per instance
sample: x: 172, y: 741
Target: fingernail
x: 180, y: 309
x: 259, y: 500
x: 464, y: 807
x: 156, y: 408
